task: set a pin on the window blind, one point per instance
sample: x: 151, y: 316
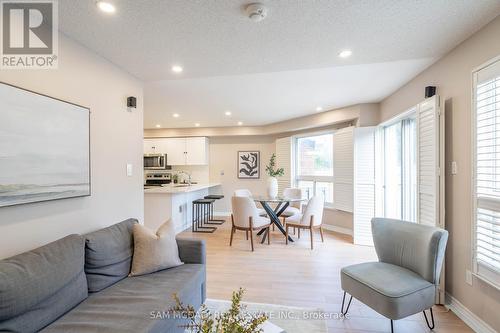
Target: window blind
x: 487, y: 173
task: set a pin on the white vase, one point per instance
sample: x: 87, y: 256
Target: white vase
x: 272, y: 187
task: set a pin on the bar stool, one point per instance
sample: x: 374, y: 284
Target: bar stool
x: 202, y: 208
x: 211, y: 211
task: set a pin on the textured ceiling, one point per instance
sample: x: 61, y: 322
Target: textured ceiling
x: 215, y: 39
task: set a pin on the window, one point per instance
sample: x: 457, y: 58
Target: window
x: 400, y: 169
x: 314, y: 165
x: 486, y: 193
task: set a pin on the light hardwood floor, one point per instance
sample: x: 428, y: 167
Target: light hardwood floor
x: 294, y: 275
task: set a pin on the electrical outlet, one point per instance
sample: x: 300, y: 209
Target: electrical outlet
x: 468, y: 277
x: 129, y: 170
x: 454, y: 168
x: 222, y: 172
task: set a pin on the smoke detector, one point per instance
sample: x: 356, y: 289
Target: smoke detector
x: 256, y: 12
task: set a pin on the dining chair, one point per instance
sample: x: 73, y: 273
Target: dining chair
x: 311, y: 218
x: 246, y: 193
x: 295, y: 206
x: 246, y: 217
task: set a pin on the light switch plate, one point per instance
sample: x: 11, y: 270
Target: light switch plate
x: 454, y: 168
x: 129, y: 170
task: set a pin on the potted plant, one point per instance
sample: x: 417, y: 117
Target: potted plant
x: 234, y: 320
x: 272, y: 181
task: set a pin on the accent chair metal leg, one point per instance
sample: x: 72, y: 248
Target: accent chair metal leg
x: 432, y: 324
x: 348, y: 304
x: 392, y: 326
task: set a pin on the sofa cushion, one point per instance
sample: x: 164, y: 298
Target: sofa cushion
x: 393, y: 291
x: 108, y: 254
x: 39, y: 286
x: 137, y: 304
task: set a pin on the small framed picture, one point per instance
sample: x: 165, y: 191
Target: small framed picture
x: 249, y: 164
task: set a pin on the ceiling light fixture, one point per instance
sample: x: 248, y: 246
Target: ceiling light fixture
x: 197, y: 124
x: 240, y: 123
x: 175, y: 115
x: 106, y: 7
x: 345, y: 53
x: 177, y: 69
x: 319, y: 108
x: 158, y: 125
x: 227, y: 113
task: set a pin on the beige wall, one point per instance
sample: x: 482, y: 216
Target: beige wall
x: 223, y: 159
x: 116, y: 139
x: 452, y: 76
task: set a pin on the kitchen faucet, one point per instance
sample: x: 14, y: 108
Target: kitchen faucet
x: 187, y: 174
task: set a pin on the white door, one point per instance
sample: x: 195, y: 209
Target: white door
x: 197, y: 151
x: 364, y: 184
x: 430, y: 170
x: 176, y: 151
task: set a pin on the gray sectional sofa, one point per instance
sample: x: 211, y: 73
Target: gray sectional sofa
x: 81, y: 284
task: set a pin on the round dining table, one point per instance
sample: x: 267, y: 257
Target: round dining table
x: 274, y: 214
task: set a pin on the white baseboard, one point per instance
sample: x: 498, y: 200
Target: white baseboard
x: 476, y: 323
x: 340, y: 230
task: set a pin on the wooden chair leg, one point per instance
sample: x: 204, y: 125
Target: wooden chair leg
x: 312, y: 238
x: 286, y: 235
x: 231, y: 239
x: 269, y: 235
x: 251, y: 239
x: 294, y: 230
x: 321, y: 232
x: 273, y: 226
x: 246, y: 232
x: 298, y: 230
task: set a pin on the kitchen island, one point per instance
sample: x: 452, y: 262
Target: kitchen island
x: 173, y: 201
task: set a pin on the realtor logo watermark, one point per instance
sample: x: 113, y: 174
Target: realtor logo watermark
x: 29, y: 34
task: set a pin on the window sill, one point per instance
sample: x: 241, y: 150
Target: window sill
x: 486, y: 280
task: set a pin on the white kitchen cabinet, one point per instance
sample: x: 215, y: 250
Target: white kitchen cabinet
x: 180, y: 151
x: 196, y: 151
x: 175, y: 148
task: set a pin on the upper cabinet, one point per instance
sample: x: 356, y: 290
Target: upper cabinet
x: 180, y: 151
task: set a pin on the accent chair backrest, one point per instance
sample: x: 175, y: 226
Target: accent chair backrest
x: 417, y: 247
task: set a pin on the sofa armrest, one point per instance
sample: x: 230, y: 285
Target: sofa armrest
x: 192, y: 251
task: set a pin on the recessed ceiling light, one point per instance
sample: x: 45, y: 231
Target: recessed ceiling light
x: 319, y: 108
x: 106, y: 7
x: 240, y: 123
x: 197, y: 124
x: 345, y: 53
x: 175, y: 115
x: 158, y: 125
x: 177, y: 69
x: 227, y: 113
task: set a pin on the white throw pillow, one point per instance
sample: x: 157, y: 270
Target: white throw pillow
x: 154, y: 252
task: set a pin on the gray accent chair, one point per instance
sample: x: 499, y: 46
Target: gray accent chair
x: 405, y: 279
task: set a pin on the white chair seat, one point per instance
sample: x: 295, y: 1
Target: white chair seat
x: 260, y: 221
x: 294, y: 219
x: 262, y: 211
x: 290, y: 211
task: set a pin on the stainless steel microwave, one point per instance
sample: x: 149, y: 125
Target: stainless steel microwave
x: 155, y: 161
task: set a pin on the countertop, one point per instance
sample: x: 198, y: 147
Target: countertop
x: 175, y: 188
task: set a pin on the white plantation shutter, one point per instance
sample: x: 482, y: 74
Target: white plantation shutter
x: 284, y: 160
x: 428, y: 162
x: 486, y: 192
x: 364, y: 184
x: 343, y: 169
